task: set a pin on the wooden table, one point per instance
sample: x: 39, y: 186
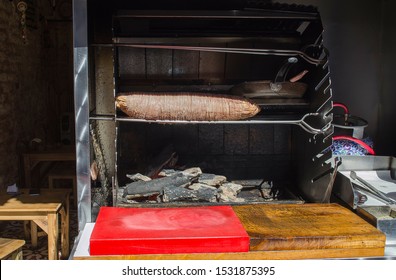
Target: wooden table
x: 284, y: 231
x: 11, y: 249
x: 32, y: 159
x: 45, y: 210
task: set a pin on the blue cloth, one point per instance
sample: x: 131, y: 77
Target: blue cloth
x: 349, y: 148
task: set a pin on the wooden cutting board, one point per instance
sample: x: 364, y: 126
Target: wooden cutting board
x: 292, y: 231
x: 306, y: 227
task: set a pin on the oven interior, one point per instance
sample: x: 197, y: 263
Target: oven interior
x: 285, y: 146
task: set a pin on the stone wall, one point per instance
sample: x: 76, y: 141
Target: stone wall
x: 29, y: 89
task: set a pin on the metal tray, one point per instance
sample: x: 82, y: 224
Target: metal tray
x: 346, y: 191
x: 382, y: 217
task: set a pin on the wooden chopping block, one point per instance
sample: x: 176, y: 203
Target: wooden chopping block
x: 307, y: 227
x: 291, y: 231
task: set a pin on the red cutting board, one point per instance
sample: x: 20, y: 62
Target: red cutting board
x: 205, y: 229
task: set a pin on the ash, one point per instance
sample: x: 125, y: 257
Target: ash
x: 192, y: 185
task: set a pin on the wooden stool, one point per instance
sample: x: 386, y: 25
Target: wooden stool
x: 11, y: 249
x: 63, y: 172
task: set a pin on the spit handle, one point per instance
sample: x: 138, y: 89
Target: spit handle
x: 307, y: 127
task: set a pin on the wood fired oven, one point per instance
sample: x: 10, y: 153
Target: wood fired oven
x: 208, y: 49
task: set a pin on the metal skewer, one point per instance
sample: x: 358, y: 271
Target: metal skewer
x: 300, y: 122
x: 231, y: 50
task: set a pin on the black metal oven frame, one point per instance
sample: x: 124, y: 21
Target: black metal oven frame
x: 110, y: 45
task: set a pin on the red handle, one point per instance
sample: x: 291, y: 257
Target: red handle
x: 343, y: 106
